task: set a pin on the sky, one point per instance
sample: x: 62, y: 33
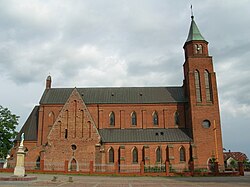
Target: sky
x: 97, y: 43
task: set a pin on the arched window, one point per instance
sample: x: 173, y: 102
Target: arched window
x: 182, y: 154
x: 73, y: 165
x: 198, y: 48
x: 155, y: 118
x: 112, y: 119
x: 133, y: 119
x: 177, y: 118
x: 208, y: 86
x: 135, y: 155
x: 51, y: 118
x: 158, y: 154
x: 38, y: 162
x: 197, y: 85
x: 111, y: 155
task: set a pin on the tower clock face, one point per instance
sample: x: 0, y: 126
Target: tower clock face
x: 206, y: 124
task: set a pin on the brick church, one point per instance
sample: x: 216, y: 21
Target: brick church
x: 130, y: 125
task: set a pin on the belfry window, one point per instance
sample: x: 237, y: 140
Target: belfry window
x: 208, y: 86
x: 133, y: 119
x: 198, y: 48
x: 112, y: 119
x: 197, y: 85
x: 155, y: 118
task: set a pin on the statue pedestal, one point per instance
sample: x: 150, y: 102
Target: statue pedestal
x: 19, y: 169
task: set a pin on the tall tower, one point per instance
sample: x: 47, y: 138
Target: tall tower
x: 202, y: 111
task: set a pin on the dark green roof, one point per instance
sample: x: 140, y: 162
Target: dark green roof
x: 194, y: 33
x: 116, y: 95
x: 30, y: 127
x: 144, y: 135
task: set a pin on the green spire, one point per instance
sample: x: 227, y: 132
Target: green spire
x: 194, y: 33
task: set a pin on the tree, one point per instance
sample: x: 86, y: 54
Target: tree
x: 8, y: 123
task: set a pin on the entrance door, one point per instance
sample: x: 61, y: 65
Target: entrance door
x: 73, y: 165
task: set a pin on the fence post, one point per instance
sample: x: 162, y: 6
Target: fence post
x: 42, y: 165
x: 142, y: 168
x: 91, y: 167
x: 241, y: 168
x: 216, y: 168
x: 116, y: 167
x: 66, y: 163
x: 191, y: 168
x: 167, y: 168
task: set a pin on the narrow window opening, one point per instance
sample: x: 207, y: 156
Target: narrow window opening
x: 208, y: 86
x: 158, y: 154
x: 135, y: 155
x: 155, y: 118
x: 112, y: 119
x: 177, y: 118
x: 66, y: 134
x: 133, y: 119
x: 197, y: 86
x: 182, y: 154
x: 111, y: 155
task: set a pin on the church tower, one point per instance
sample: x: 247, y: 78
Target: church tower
x: 202, y: 110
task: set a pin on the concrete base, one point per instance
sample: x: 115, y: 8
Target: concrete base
x: 19, y: 171
x: 15, y: 178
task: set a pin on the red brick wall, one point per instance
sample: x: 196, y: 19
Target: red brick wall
x: 207, y: 141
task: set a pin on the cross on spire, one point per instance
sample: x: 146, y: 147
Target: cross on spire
x: 192, y: 13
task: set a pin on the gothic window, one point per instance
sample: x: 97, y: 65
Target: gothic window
x: 197, y: 85
x: 208, y: 86
x: 195, y: 48
x: 38, y: 162
x: 158, y: 154
x: 133, y: 119
x: 51, y: 118
x: 111, y: 155
x: 135, y: 155
x: 155, y: 118
x: 182, y: 154
x: 177, y: 118
x: 112, y: 119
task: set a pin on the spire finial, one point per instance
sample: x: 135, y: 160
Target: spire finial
x: 192, y: 14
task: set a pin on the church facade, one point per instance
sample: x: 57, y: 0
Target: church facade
x: 130, y: 125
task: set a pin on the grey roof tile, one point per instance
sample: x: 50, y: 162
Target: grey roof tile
x: 30, y: 127
x: 116, y: 95
x: 144, y: 135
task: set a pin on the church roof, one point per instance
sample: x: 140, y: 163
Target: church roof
x: 194, y: 33
x: 144, y: 135
x: 116, y: 95
x: 30, y: 127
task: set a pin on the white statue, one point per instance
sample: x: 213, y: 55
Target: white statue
x: 22, y: 139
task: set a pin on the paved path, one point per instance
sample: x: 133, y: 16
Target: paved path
x: 108, y: 181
